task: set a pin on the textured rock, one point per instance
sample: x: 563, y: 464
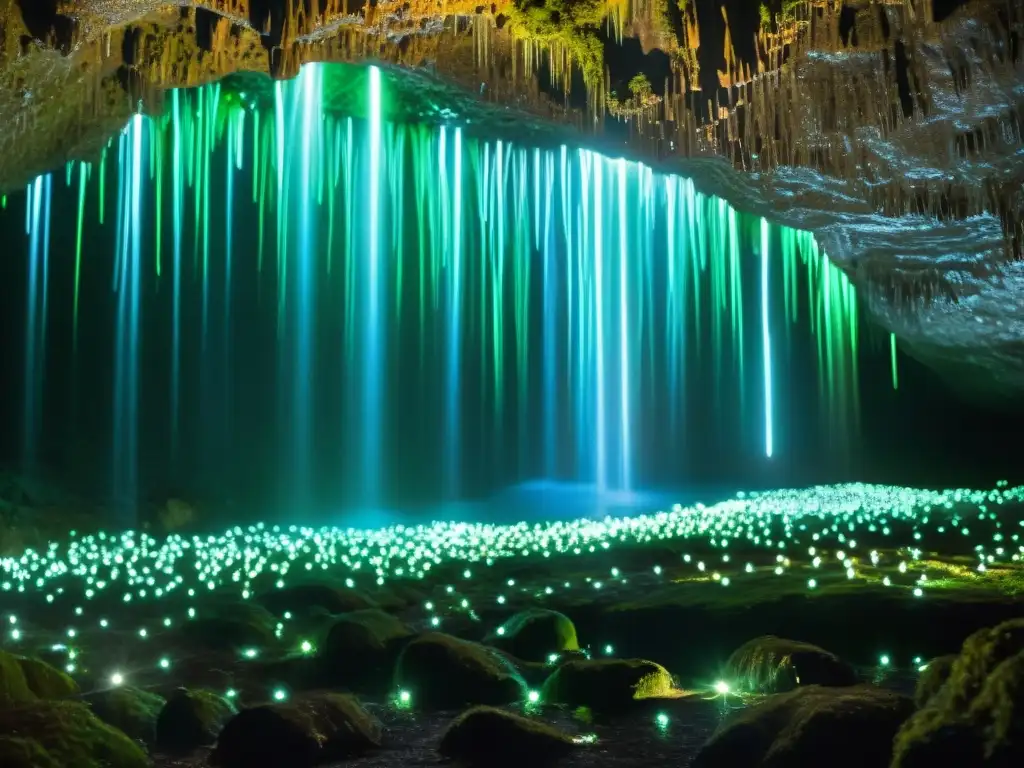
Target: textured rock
x: 485, y: 736
x: 231, y: 627
x: 313, y: 729
x: 45, y: 681
x: 63, y: 734
x: 772, y: 665
x: 535, y: 634
x: 808, y: 728
x: 13, y: 686
x: 608, y: 684
x: 933, y: 677
x: 302, y: 598
x: 362, y: 646
x: 444, y: 672
x: 128, y: 709
x: 976, y: 717
x: 191, y: 719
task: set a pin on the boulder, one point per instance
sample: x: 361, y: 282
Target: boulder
x: 230, y: 627
x: 63, y: 734
x: 131, y: 710
x: 485, y: 736
x: 191, y: 719
x: 14, y: 688
x: 299, y: 599
x: 444, y: 672
x: 309, y: 730
x: 362, y: 646
x: 976, y: 717
x: 933, y: 677
x: 535, y: 634
x: 810, y: 727
x: 45, y: 681
x: 772, y: 664
x: 608, y: 684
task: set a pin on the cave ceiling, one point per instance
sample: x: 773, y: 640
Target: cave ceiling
x: 889, y: 128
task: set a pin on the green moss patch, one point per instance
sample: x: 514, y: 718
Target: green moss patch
x: 609, y: 684
x: 128, y: 709
x: 191, y: 719
x: 485, y: 736
x: 535, y: 634
x: 64, y: 734
x: 444, y: 672
x: 310, y: 730
x: 45, y: 681
x: 772, y: 664
x: 810, y: 727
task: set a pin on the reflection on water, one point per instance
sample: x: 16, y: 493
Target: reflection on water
x: 389, y: 311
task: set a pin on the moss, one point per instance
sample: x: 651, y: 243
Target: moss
x: 535, y: 634
x: 608, y: 684
x: 14, y: 687
x: 773, y: 664
x: 313, y: 729
x: 444, y: 672
x: 485, y: 736
x: 300, y: 599
x: 191, y: 719
x: 571, y: 24
x: 934, y: 675
x: 45, y: 681
x: 973, y: 718
x: 65, y: 734
x: 129, y: 709
x: 810, y: 727
x: 230, y: 627
x: 362, y: 646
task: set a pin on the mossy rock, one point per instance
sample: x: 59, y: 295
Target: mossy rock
x: 128, y: 709
x: 307, y: 731
x: 485, y: 736
x: 445, y: 672
x: 362, y: 646
x: 772, y: 664
x: 231, y: 627
x: 302, y: 598
x: 535, y: 634
x: 934, y: 675
x: 608, y: 684
x: 976, y: 717
x: 191, y: 719
x: 47, y: 682
x: 14, y: 688
x: 810, y: 727
x: 63, y: 734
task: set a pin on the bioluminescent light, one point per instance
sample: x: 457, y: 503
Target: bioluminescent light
x: 766, y: 341
x: 892, y: 361
x: 566, y: 295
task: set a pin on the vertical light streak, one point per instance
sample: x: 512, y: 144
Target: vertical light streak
x: 82, y: 179
x: 625, y: 447
x: 766, y: 343
x: 453, y: 450
x: 601, y: 405
x: 37, y: 227
x: 374, y: 359
x: 177, y: 198
x: 892, y: 361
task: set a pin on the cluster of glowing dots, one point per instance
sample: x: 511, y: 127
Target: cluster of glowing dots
x: 812, y: 533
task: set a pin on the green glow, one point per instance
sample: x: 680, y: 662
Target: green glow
x: 892, y: 357
x: 82, y: 179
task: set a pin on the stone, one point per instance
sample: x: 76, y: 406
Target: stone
x: 810, y: 727
x: 932, y: 678
x: 309, y: 730
x: 191, y: 719
x: 535, y: 634
x: 362, y: 646
x: 445, y: 672
x: 45, y: 681
x: 608, y: 684
x: 300, y: 599
x: 131, y: 710
x: 485, y: 736
x: 230, y: 627
x: 14, y: 688
x: 772, y: 664
x: 63, y: 734
x: 976, y: 717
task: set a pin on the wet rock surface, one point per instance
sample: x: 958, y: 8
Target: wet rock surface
x: 775, y: 665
